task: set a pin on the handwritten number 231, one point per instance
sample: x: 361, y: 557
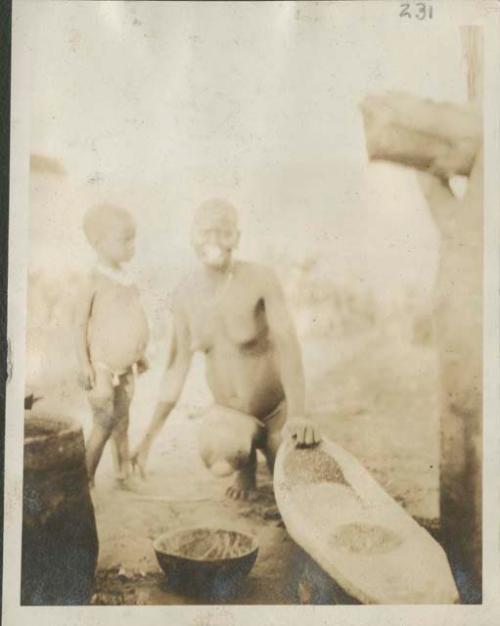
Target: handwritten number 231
x: 421, y: 12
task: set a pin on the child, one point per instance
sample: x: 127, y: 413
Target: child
x: 112, y: 335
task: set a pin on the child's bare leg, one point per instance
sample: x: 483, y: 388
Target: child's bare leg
x: 121, y: 446
x: 123, y: 397
x: 115, y: 455
x: 101, y: 399
x: 245, y: 480
x: 94, y: 449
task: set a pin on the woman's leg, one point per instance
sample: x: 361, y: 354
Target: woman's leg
x: 245, y: 479
x: 273, y: 436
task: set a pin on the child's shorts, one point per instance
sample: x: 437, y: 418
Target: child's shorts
x: 110, y: 397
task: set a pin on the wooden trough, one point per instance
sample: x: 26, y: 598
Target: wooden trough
x: 343, y: 519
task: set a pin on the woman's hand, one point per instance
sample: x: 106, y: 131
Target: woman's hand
x: 303, y: 432
x: 138, y: 462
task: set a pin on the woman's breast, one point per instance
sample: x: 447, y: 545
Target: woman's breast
x: 246, y: 329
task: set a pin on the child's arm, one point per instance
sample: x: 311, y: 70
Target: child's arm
x: 83, y: 312
x: 142, y: 365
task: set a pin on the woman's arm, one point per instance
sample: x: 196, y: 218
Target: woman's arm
x: 287, y: 345
x: 178, y: 363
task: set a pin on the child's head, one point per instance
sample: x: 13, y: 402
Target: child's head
x: 111, y: 232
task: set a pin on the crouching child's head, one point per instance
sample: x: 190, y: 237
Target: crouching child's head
x: 225, y: 440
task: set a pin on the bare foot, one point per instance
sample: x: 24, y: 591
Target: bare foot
x: 242, y: 488
x: 126, y: 484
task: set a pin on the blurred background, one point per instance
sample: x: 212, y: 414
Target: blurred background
x: 159, y: 106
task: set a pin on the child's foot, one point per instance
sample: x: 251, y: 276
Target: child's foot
x: 126, y: 483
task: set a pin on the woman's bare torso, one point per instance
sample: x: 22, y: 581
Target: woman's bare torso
x: 118, y: 330
x: 233, y: 333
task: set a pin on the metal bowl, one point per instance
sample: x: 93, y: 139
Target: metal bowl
x: 206, y: 562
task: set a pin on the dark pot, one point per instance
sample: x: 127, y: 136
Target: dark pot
x: 59, y: 542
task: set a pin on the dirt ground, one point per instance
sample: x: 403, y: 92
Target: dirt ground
x: 377, y: 397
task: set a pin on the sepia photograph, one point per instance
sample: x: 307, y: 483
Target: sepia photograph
x: 254, y: 300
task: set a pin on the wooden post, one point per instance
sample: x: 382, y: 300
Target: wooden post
x: 459, y: 314
x: 458, y: 321
x: 404, y: 130
x: 472, y: 43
